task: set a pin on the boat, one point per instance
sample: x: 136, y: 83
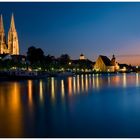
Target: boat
x: 64, y: 74
x: 20, y: 74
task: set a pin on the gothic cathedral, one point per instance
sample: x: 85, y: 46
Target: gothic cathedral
x: 12, y: 47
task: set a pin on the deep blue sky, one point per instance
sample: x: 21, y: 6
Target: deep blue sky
x: 74, y: 28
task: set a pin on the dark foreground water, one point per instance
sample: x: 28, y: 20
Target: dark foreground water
x: 81, y: 106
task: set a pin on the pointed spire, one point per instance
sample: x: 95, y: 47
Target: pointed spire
x: 1, y: 24
x: 113, y: 56
x: 12, y: 26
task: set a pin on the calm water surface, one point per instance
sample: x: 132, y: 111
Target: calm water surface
x: 80, y: 106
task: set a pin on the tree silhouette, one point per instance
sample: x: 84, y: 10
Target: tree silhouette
x: 64, y: 60
x: 35, y: 55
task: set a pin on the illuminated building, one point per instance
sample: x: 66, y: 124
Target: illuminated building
x: 82, y: 57
x: 3, y: 47
x: 104, y: 64
x: 114, y: 63
x: 12, y: 47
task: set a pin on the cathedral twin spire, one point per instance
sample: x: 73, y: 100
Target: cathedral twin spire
x: 12, y: 26
x: 12, y: 47
x: 3, y: 47
x: 1, y: 24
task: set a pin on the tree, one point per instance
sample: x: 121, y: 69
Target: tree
x: 35, y: 56
x: 50, y: 62
x: 64, y: 60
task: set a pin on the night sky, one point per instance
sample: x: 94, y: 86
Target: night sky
x: 90, y: 28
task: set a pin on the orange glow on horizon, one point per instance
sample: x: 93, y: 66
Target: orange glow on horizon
x: 133, y: 60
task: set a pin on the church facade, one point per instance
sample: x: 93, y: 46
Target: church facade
x: 11, y: 46
x: 104, y: 64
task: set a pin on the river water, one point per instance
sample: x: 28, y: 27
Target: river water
x: 81, y: 106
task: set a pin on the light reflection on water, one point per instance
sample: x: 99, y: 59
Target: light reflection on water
x: 62, y: 89
x: 52, y: 88
x: 30, y: 92
x: 41, y: 91
x: 124, y: 80
x: 19, y: 100
x: 70, y: 86
x: 11, y: 109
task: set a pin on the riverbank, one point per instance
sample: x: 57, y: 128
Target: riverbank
x: 24, y: 74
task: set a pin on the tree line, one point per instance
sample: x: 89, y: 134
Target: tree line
x: 36, y: 59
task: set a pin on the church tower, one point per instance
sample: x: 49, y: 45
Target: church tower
x: 113, y: 60
x: 114, y: 63
x: 3, y: 47
x: 13, y: 46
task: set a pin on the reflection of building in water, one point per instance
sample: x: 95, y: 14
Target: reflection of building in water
x: 124, y: 80
x: 74, y: 85
x: 30, y: 92
x: 16, y: 108
x: 2, y: 100
x: 115, y: 80
x: 90, y: 81
x: 52, y: 88
x: 41, y: 90
x: 137, y: 79
x: 12, y: 124
x: 62, y: 88
x: 97, y: 81
x: 93, y: 81
x: 70, y: 86
x: 86, y: 82
x: 78, y: 84
x: 108, y: 80
x: 82, y: 83
x: 15, y: 96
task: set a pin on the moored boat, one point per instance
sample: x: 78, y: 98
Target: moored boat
x: 25, y: 75
x: 64, y: 74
